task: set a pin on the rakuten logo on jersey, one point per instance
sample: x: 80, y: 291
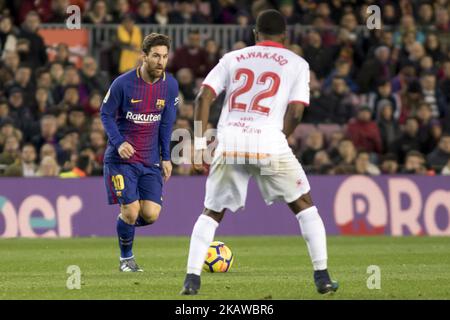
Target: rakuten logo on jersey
x: 142, y: 117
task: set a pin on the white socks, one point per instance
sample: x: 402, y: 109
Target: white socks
x: 313, y: 232
x: 202, y: 236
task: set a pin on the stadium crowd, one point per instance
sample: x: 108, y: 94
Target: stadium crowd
x: 380, y: 99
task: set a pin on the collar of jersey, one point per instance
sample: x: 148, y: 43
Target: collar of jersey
x: 269, y: 43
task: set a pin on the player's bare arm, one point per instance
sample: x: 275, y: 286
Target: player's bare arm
x: 294, y: 114
x: 203, y: 103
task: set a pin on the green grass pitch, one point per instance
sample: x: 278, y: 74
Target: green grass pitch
x: 264, y: 268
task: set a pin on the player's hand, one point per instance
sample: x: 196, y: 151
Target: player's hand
x: 167, y: 169
x: 198, y: 161
x: 126, y: 150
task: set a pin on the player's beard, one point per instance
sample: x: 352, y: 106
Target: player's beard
x: 155, y: 72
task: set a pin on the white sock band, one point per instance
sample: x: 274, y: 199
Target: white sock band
x: 202, y: 236
x: 313, y: 232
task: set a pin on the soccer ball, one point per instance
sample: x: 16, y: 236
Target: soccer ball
x: 219, y: 258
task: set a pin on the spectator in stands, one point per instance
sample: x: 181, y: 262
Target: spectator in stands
x: 287, y: 10
x: 382, y: 95
x: 8, y: 36
x: 162, y: 13
x: 23, y: 80
x: 121, y: 10
x: 214, y: 55
x: 41, y: 103
x: 441, y: 154
x: 416, y: 52
x: 446, y: 170
x: 91, y: 77
x: 433, y: 47
x: 63, y: 54
x: 56, y: 73
x: 186, y: 83
x: 47, y: 149
x: 432, y: 95
x: 342, y: 69
x: 93, y: 105
x: 82, y: 169
x: 186, y: 14
x: 48, y: 167
x: 425, y: 14
x: 426, y: 65
x: 7, y: 129
x: 8, y: 68
x: 67, y: 147
x: 11, y: 150
x: 410, y: 101
x: 320, y: 59
x: 43, y: 78
x: 374, y: 69
x: 364, y: 132
x: 48, y: 132
x: 407, y: 25
x: 99, y: 13
x: 96, y: 124
x: 26, y: 165
x: 18, y: 111
x: 321, y: 163
x: 390, y: 14
x: 389, y: 128
x: 58, y: 11
x: 4, y: 111
x: 71, y: 100
x: 77, y: 120
x: 389, y: 164
x: 425, y: 119
x: 29, y: 31
x: 72, y: 78
x: 407, y: 141
x: 442, y: 20
x: 335, y: 106
x: 401, y: 81
x: 186, y: 111
x: 364, y: 166
x: 97, y: 143
x: 345, y: 153
x: 130, y: 39
x: 191, y: 56
x: 414, y: 163
x: 445, y: 82
x: 144, y: 13
x: 314, y: 143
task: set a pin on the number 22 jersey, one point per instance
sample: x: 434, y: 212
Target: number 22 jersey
x: 259, y: 82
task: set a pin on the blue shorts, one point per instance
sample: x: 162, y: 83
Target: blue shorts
x: 128, y: 182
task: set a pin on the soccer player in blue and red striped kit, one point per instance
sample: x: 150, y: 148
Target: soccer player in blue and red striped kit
x: 138, y: 113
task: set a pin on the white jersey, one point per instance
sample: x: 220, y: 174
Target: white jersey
x: 259, y: 82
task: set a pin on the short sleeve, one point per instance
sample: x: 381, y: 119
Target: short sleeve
x: 300, y: 89
x: 217, y: 77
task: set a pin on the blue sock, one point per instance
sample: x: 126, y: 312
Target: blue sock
x: 140, y: 222
x: 125, y: 232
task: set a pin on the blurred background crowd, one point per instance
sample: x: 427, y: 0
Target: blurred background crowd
x: 380, y: 99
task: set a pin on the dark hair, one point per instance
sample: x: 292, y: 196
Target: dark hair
x: 415, y: 153
x: 153, y: 40
x: 83, y: 162
x: 270, y: 22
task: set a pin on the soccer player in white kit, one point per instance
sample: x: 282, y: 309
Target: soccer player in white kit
x: 267, y: 88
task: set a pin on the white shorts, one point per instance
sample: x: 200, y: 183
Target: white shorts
x: 226, y: 186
